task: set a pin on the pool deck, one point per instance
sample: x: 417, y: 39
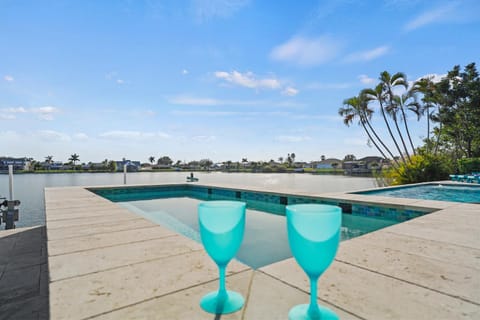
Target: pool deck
x: 105, y: 262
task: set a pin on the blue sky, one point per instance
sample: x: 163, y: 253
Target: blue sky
x: 218, y: 79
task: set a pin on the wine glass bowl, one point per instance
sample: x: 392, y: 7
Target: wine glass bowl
x: 222, y: 225
x: 313, y: 234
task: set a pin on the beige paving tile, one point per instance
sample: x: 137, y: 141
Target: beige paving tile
x: 90, y: 221
x: 451, y: 230
x: 437, y: 250
x: 112, y: 225
x: 273, y: 299
x: 445, y: 277
x: 100, y: 240
x: 185, y: 304
x: 92, y: 212
x: 96, y: 293
x: 95, y: 260
x: 373, y: 296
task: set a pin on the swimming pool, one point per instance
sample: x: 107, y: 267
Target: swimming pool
x: 265, y: 240
x: 440, y: 192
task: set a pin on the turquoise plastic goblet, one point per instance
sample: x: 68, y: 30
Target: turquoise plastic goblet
x: 314, y: 234
x: 222, y: 224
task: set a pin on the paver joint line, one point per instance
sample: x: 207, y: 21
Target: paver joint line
x: 409, y: 282
x: 440, y: 241
x: 105, y: 232
x: 308, y: 292
x: 247, y: 298
x: 125, y: 265
x: 113, y: 245
x: 163, y: 295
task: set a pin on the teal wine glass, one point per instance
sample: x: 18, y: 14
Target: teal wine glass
x: 222, y: 224
x: 314, y: 234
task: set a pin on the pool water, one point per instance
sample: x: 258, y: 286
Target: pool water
x: 265, y: 240
x: 440, y: 192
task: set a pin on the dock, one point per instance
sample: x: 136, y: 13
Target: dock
x: 96, y: 260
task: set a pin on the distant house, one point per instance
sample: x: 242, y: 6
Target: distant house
x: 363, y: 165
x: 330, y: 163
x: 132, y: 166
x: 17, y: 163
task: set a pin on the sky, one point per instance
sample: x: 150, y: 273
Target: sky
x: 216, y: 79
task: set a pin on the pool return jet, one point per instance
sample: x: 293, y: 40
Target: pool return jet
x: 9, y: 207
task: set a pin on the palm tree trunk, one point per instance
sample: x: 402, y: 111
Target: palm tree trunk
x: 428, y: 128
x: 401, y: 136
x: 381, y: 142
x: 390, y: 130
x: 371, y: 139
x: 407, y: 130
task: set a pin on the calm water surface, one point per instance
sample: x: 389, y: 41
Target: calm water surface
x: 28, y: 188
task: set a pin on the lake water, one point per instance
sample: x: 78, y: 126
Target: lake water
x: 28, y: 188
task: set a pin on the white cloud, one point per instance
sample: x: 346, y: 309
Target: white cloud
x: 114, y: 76
x: 45, y: 113
x: 439, y: 14
x: 7, y: 116
x: 207, y: 9
x: 248, y: 80
x: 51, y: 135
x: 135, y: 135
x: 307, y: 51
x: 203, y: 113
x: 14, y: 110
x: 8, y: 78
x: 202, y: 101
x: 283, y: 138
x: 290, y: 91
x: 368, y: 54
x: 365, y: 79
x: 184, y: 71
x: 194, y: 101
x: 434, y: 77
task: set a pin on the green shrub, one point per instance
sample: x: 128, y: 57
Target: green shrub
x: 420, y: 168
x: 469, y: 165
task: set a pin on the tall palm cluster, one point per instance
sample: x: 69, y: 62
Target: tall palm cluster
x: 393, y: 107
x: 451, y: 103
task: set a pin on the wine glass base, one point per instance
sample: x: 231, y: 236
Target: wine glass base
x: 300, y: 312
x: 233, y: 302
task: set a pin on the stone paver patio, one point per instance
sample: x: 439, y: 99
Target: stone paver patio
x: 105, y: 262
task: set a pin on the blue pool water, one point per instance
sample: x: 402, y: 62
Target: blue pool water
x: 265, y: 239
x: 441, y: 192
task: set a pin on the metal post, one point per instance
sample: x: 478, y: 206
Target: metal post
x: 124, y: 174
x: 10, y: 180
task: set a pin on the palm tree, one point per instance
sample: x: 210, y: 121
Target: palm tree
x: 408, y: 100
x: 292, y: 156
x: 357, y: 107
x: 392, y: 107
x: 427, y: 87
x: 151, y: 159
x: 378, y: 94
x: 49, y: 160
x: 74, y: 158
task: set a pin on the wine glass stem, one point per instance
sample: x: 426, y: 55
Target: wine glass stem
x: 222, y: 291
x: 313, y: 310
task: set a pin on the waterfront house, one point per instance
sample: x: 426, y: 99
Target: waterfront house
x: 330, y: 163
